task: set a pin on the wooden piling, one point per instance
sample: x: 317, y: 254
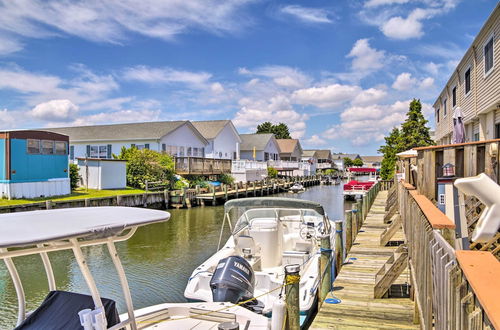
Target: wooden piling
x: 292, y: 280
x: 348, y: 230
x: 325, y: 267
x: 339, y: 246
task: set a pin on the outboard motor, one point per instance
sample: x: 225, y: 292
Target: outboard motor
x: 233, y: 280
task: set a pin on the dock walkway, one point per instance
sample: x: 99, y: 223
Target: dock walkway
x: 354, y: 285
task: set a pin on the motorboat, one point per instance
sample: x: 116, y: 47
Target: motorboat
x: 269, y: 234
x: 74, y: 229
x: 357, y: 189
x: 296, y: 188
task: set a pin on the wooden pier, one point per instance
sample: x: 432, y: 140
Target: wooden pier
x: 355, y: 283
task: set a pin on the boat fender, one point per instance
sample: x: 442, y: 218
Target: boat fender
x: 278, y: 314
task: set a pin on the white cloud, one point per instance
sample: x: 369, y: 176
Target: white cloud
x: 404, y: 82
x: 8, y: 45
x: 377, y: 3
x: 55, y: 110
x: 27, y: 82
x: 315, y: 140
x: 121, y: 116
x: 217, y: 88
x: 366, y: 58
x: 7, y: 119
x: 308, y: 15
x: 327, y: 96
x: 369, y: 96
x: 432, y: 68
x: 427, y: 83
x: 167, y: 75
x: 283, y: 76
x: 405, y: 28
x: 113, y: 20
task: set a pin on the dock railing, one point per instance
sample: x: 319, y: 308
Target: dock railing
x: 452, y: 289
x: 199, y: 165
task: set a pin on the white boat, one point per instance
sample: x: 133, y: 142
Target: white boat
x: 43, y: 232
x: 270, y: 233
x: 296, y: 188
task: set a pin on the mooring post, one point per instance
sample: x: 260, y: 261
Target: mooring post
x: 225, y: 192
x: 254, y: 189
x: 292, y: 279
x: 339, y: 246
x: 348, y: 231
x: 166, y: 198
x: 48, y: 205
x: 358, y: 215
x: 325, y: 267
x: 183, y: 197
x: 214, y: 199
x: 246, y: 189
x: 236, y: 188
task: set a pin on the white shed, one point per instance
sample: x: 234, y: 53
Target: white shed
x: 103, y: 173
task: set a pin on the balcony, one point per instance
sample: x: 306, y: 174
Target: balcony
x: 241, y: 166
x: 322, y: 166
x: 202, y: 166
x: 283, y: 165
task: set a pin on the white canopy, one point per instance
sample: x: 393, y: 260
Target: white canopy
x: 407, y: 154
x: 33, y: 227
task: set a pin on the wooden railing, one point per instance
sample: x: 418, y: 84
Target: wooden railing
x: 197, y: 165
x: 447, y: 294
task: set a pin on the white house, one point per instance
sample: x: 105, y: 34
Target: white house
x: 223, y: 138
x: 290, y: 149
x: 260, y: 147
x: 178, y: 138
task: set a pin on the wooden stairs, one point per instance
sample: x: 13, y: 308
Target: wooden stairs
x: 390, y: 271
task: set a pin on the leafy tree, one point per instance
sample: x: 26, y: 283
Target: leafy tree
x: 272, y: 172
x: 280, y: 130
x: 147, y: 165
x: 357, y: 162
x: 74, y: 176
x: 348, y: 162
x: 226, y: 178
x: 414, y: 133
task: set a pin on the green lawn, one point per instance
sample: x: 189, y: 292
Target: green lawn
x: 79, y: 193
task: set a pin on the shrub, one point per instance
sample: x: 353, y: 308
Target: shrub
x: 180, y: 182
x: 226, y: 179
x: 272, y: 172
x: 74, y: 176
x: 147, y: 165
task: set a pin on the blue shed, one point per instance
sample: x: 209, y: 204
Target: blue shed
x: 33, y: 164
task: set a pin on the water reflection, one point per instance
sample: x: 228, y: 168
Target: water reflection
x: 158, y: 259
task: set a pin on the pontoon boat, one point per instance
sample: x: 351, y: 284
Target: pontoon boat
x: 296, y: 188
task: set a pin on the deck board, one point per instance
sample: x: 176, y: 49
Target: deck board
x: 354, y: 285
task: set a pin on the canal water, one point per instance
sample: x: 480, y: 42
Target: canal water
x: 158, y: 259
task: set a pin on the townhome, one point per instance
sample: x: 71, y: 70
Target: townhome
x: 290, y: 149
x: 178, y: 138
x: 372, y: 161
x: 325, y: 160
x: 223, y: 138
x: 338, y: 159
x: 259, y: 147
x: 474, y: 87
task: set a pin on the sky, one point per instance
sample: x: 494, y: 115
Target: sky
x: 339, y: 73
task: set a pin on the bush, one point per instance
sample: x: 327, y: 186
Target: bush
x: 74, y: 176
x: 197, y: 180
x: 147, y: 165
x: 272, y: 172
x: 180, y: 182
x: 226, y: 179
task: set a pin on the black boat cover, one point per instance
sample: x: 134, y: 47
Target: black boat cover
x: 60, y: 310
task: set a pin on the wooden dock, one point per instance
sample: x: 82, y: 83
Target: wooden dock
x: 355, y: 283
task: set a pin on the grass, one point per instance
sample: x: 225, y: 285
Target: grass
x: 79, y: 193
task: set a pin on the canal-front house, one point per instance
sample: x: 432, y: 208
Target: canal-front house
x: 338, y: 159
x: 259, y: 147
x: 290, y: 149
x: 372, y: 161
x: 33, y: 164
x: 325, y: 160
x: 223, y: 138
x: 474, y: 87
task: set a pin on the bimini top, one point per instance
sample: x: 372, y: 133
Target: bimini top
x: 273, y: 202
x: 34, y: 227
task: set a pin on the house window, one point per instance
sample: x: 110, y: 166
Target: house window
x: 488, y: 56
x: 99, y: 151
x: 195, y: 152
x: 181, y: 151
x: 47, y: 147
x: 72, y: 152
x: 203, y: 152
x: 437, y: 115
x: 476, y: 136
x: 189, y: 151
x: 61, y: 148
x: 140, y: 146
x: 163, y: 147
x: 497, y: 131
x: 103, y: 152
x: 441, y: 199
x: 33, y: 146
x: 444, y: 107
x: 266, y: 156
x: 454, y: 96
x: 467, y: 81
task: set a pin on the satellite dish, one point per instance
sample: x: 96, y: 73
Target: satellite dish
x: 488, y: 192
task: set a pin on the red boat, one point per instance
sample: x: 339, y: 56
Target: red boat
x: 355, y: 188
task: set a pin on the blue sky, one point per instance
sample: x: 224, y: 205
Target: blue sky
x: 339, y: 73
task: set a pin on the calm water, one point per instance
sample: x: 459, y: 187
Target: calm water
x: 158, y: 259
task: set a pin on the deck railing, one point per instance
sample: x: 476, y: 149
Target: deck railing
x: 199, y: 165
x: 447, y: 294
x: 240, y: 166
x: 283, y: 164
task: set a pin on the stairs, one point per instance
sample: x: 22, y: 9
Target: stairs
x: 389, y: 232
x: 390, y: 271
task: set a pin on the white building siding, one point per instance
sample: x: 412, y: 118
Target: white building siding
x: 185, y: 141
x: 226, y: 144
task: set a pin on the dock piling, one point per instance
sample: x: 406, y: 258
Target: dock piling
x: 324, y: 266
x: 339, y: 246
x: 292, y: 280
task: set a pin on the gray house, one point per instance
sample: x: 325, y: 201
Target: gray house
x: 260, y: 147
x: 223, y: 138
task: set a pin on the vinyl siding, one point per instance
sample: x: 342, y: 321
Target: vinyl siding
x: 2, y: 159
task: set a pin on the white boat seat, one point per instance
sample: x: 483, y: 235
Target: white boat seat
x: 268, y: 234
x: 247, y: 242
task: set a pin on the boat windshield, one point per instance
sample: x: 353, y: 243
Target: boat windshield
x: 245, y: 216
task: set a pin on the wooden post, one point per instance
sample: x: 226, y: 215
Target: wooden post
x: 359, y: 215
x: 354, y: 224
x: 292, y: 280
x: 48, y: 205
x: 225, y: 193
x: 236, y: 187
x: 214, y: 199
x: 325, y: 267
x: 183, y: 196
x: 348, y: 230
x: 339, y: 246
x: 262, y: 187
x: 246, y: 189
x: 87, y: 202
x: 118, y: 200
x: 254, y: 189
x: 166, y: 198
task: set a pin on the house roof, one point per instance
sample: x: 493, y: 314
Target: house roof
x: 372, y: 159
x: 342, y: 156
x: 309, y: 153
x: 323, y: 154
x: 288, y: 145
x: 259, y: 141
x: 210, y: 128
x: 133, y: 131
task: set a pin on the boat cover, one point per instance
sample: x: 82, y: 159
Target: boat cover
x: 60, y: 310
x: 33, y: 227
x: 273, y: 202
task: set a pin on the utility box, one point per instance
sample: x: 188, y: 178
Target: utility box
x: 102, y: 174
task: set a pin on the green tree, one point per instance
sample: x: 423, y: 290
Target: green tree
x: 74, y: 176
x: 389, y: 150
x: 357, y: 162
x: 272, y: 172
x: 147, y: 165
x: 348, y: 162
x: 280, y: 130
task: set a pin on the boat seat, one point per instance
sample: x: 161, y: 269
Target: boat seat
x: 59, y: 311
x: 247, y: 242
